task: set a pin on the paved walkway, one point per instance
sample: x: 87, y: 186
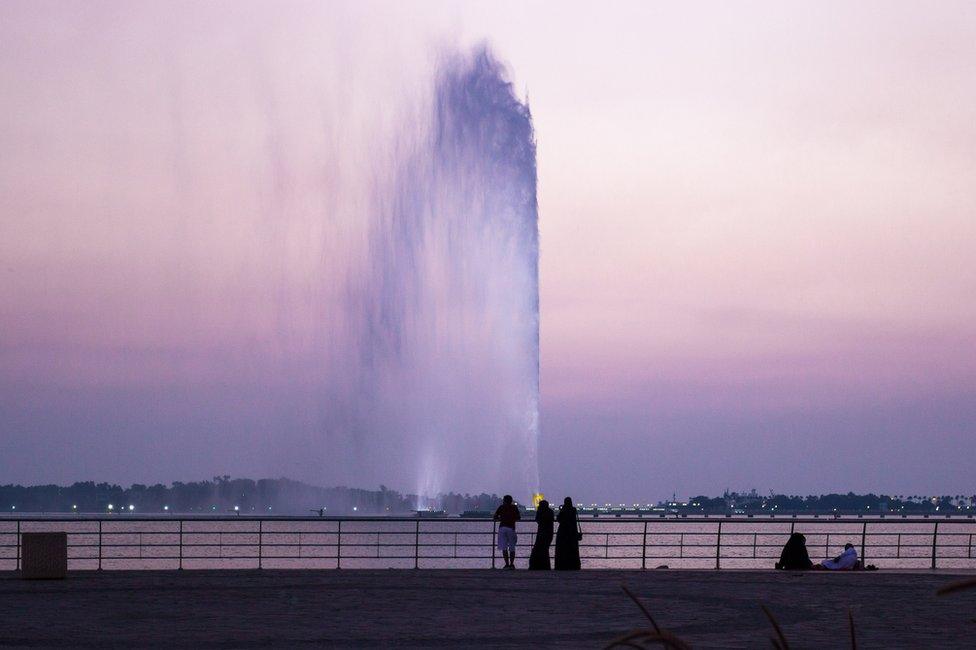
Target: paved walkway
x: 459, y: 608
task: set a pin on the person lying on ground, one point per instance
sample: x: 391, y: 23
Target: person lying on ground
x: 846, y: 561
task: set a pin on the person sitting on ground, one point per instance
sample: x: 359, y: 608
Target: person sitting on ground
x: 846, y: 561
x: 794, y: 556
x: 506, y: 516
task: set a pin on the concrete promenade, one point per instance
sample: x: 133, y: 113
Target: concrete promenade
x: 478, y: 608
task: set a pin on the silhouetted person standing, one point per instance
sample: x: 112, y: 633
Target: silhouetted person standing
x: 506, y: 516
x: 544, y: 517
x: 567, y: 537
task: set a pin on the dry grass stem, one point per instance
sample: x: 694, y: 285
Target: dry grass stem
x: 644, y: 637
x: 780, y: 641
x: 953, y: 587
x: 622, y: 643
x: 664, y: 638
x: 642, y: 608
x: 850, y: 624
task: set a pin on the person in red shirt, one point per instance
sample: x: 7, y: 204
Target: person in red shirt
x: 506, y: 516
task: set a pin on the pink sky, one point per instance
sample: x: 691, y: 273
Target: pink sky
x: 757, y: 224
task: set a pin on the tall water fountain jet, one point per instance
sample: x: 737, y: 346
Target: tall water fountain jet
x: 449, y: 339
x: 277, y: 242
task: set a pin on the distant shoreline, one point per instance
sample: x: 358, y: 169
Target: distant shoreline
x: 224, y: 495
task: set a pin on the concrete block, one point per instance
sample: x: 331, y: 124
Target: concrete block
x: 44, y: 556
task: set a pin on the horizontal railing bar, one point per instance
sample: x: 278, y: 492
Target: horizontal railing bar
x: 459, y: 545
x: 943, y: 544
x: 614, y: 558
x: 612, y: 534
x: 785, y: 520
x: 467, y: 544
x: 947, y: 537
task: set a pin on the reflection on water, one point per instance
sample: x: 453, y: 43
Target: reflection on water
x: 128, y: 543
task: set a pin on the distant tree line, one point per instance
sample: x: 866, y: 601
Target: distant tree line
x: 754, y: 503
x: 226, y: 495
x: 223, y: 495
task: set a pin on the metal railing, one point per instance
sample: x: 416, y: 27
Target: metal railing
x: 128, y: 542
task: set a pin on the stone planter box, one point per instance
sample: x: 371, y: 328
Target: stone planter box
x: 44, y: 556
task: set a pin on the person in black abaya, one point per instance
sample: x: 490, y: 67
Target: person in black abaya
x: 794, y: 555
x: 544, y: 517
x: 567, y: 538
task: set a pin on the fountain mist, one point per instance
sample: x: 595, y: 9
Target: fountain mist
x: 449, y: 300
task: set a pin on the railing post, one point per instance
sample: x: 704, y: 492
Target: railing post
x: 416, y: 545
x: 18, y: 545
x: 898, y: 549
x: 935, y: 542
x: 864, y: 533
x: 181, y: 545
x: 339, y: 546
x: 970, y: 549
x: 644, y: 549
x: 455, y: 544
x: 718, y: 547
x: 260, y: 543
x: 492, y: 542
x: 755, y: 537
x: 681, y: 545
x: 99, y: 544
